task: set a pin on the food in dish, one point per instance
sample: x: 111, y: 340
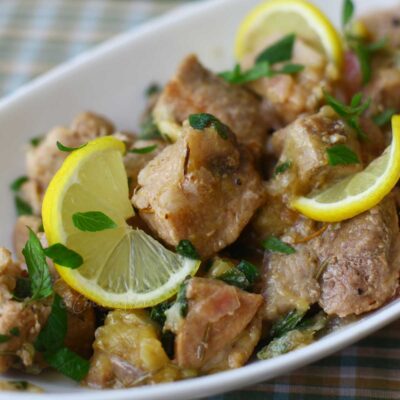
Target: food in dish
x: 216, y: 176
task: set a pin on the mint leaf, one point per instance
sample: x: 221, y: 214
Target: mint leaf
x: 347, y: 12
x: 152, y: 89
x: 92, y: 221
x: 38, y: 269
x: 64, y: 256
x: 235, y: 277
x: 289, y: 69
x: 287, y: 323
x: 181, y: 299
x: 272, y: 243
x: 143, y: 150
x: 280, y: 51
x: 52, y: 336
x: 157, y: 313
x: 22, y: 207
x: 186, y: 249
x: 68, y: 363
x: 340, y: 154
x: 36, y: 141
x: 283, y: 167
x: 149, y: 129
x: 204, y: 120
x: 384, y: 117
x: 249, y: 270
x: 16, y: 185
x: 67, y: 149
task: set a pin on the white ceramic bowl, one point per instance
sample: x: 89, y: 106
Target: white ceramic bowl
x: 111, y: 80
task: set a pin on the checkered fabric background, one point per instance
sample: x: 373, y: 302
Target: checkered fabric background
x: 36, y: 35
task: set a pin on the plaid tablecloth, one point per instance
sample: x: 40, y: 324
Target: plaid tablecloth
x: 36, y: 35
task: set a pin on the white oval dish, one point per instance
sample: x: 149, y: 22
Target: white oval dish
x: 110, y: 80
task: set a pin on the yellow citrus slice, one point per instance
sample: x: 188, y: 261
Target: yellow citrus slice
x: 358, y: 192
x: 123, y: 267
x: 289, y: 16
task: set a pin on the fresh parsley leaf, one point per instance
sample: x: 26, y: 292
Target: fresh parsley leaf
x: 287, y: 323
x: 36, y: 141
x: 186, y: 249
x: 149, y: 129
x: 272, y: 243
x: 249, y: 270
x: 4, y: 338
x: 22, y: 289
x: 15, y: 331
x: 203, y: 120
x: 68, y: 363
x: 347, y: 12
x: 384, y: 117
x: 283, y: 167
x: 157, y: 313
x: 143, y: 150
x: 16, y: 185
x: 153, y: 89
x: 22, y: 207
x: 38, y: 269
x: 67, y: 149
x: 92, y: 221
x: 52, y: 336
x: 181, y: 299
x: 64, y: 256
x: 235, y: 277
x: 280, y: 51
x: 340, y: 154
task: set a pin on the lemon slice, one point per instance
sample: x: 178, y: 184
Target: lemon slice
x: 123, y: 267
x: 358, y: 192
x: 289, y: 16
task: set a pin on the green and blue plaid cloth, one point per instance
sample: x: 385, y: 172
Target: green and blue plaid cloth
x: 36, y: 35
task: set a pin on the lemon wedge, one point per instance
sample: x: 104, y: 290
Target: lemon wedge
x: 358, y: 192
x: 123, y: 267
x: 289, y: 16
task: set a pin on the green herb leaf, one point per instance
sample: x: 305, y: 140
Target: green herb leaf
x: 364, y: 59
x: 289, y: 69
x: 287, y: 323
x: 36, y: 141
x: 22, y: 289
x: 272, y: 243
x: 153, y: 89
x: 38, y: 269
x: 181, y: 299
x: 92, y: 221
x: 280, y: 51
x: 4, y: 338
x: 52, y: 336
x: 64, y: 256
x: 249, y: 270
x: 149, y: 129
x: 16, y: 185
x: 384, y: 117
x: 235, y: 277
x: 157, y: 313
x: 340, y: 154
x: 143, y: 150
x: 283, y: 167
x: 15, y: 331
x: 347, y: 12
x: 204, y: 120
x: 68, y: 363
x: 186, y: 249
x: 22, y: 207
x: 67, y: 149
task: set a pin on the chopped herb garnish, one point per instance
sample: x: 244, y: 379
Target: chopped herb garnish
x: 22, y: 289
x: 64, y: 256
x: 347, y: 13
x: 149, y: 129
x: 68, y: 363
x: 52, y: 336
x: 153, y: 89
x: 16, y: 185
x: 92, y: 221
x: 182, y: 300
x: 280, y: 51
x: 287, y: 323
x: 40, y: 279
x: 36, y: 141
x: 186, y: 249
x: 272, y: 243
x: 350, y: 113
x: 15, y: 331
x: 384, y: 117
x: 4, y: 338
x: 340, y: 154
x: 22, y: 207
x: 143, y: 150
x: 236, y: 278
x: 67, y: 149
x: 203, y: 120
x: 157, y: 313
x: 250, y: 270
x: 283, y: 167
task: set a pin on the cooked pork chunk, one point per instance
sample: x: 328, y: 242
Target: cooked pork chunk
x: 26, y: 319
x: 304, y: 143
x: 217, y: 315
x: 202, y: 188
x: 128, y: 352
x: 363, y: 261
x: 194, y: 89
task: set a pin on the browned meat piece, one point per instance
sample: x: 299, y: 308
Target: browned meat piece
x: 194, y: 89
x: 304, y: 143
x: 21, y: 232
x: 202, y: 188
x: 45, y: 159
x: 81, y: 320
x: 128, y: 352
x: 290, y: 282
x: 217, y: 315
x: 363, y: 261
x: 28, y: 318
